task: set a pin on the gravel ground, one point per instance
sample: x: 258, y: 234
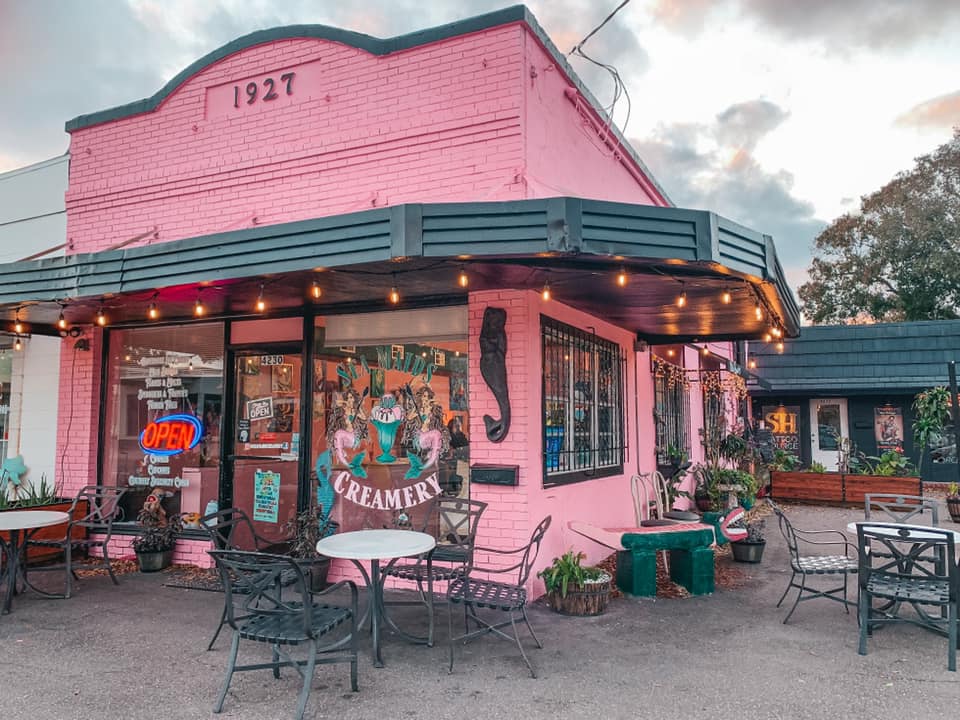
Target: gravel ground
x: 137, y: 651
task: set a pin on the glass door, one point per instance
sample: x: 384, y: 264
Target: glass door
x: 265, y: 461
x: 828, y: 425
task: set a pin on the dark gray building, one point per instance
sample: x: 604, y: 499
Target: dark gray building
x: 856, y: 382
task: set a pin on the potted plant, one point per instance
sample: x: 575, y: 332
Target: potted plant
x: 158, y: 535
x: 751, y: 549
x: 953, y: 501
x: 304, y: 530
x: 576, y: 589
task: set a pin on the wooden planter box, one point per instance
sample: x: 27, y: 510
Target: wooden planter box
x: 840, y: 488
x: 54, y: 532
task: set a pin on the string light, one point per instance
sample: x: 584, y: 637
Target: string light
x: 670, y: 352
x: 767, y: 337
x: 198, y: 308
x: 17, y: 345
x: 62, y: 321
x: 17, y: 325
x: 101, y: 317
x: 153, y: 312
x: 776, y: 331
x: 622, y: 278
x: 780, y: 346
x: 725, y: 298
x: 706, y: 350
x: 752, y: 364
x: 545, y: 293
x: 758, y: 311
x: 394, y: 296
x: 682, y: 299
x: 261, y: 303
x: 462, y: 279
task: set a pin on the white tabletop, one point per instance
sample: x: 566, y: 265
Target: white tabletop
x: 917, y: 530
x: 29, y: 519
x: 375, y: 544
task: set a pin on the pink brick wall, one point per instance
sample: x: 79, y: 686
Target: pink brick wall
x: 78, y: 416
x: 569, y: 150
x: 440, y: 122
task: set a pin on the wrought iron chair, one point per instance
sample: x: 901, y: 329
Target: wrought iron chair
x: 475, y: 591
x: 453, y: 522
x: 806, y: 566
x: 897, y: 574
x: 256, y: 611
x: 103, y: 507
x: 900, y: 508
x: 230, y: 529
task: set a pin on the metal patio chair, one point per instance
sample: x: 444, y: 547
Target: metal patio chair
x: 900, y: 508
x: 258, y: 612
x: 83, y: 534
x: 476, y: 590
x: 228, y: 528
x: 453, y: 522
x: 808, y: 566
x: 898, y: 575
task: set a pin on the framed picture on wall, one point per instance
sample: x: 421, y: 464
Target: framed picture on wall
x: 281, y: 379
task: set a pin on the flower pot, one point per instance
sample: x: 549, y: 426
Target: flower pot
x: 584, y: 600
x: 318, y: 569
x: 154, y: 561
x: 953, y: 505
x: 750, y: 552
x: 704, y: 504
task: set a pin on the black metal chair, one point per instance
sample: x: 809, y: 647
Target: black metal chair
x: 231, y: 529
x: 808, y: 566
x: 900, y: 508
x: 103, y: 506
x: 899, y: 574
x: 256, y: 611
x: 453, y: 522
x: 475, y: 590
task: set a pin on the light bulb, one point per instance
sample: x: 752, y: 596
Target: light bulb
x: 462, y: 279
x: 682, y: 299
x: 18, y: 327
x: 780, y: 346
x: 17, y: 345
x: 394, y: 295
x: 706, y: 350
x: 545, y: 293
x: 62, y: 321
x: 101, y: 317
x: 725, y: 297
x: 199, y: 309
x: 622, y: 278
x: 261, y: 303
x: 767, y: 337
x: 752, y: 364
x: 670, y: 352
x: 315, y: 290
x: 758, y: 311
x: 153, y: 312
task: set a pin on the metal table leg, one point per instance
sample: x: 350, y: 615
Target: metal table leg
x: 12, y: 553
x: 376, y: 610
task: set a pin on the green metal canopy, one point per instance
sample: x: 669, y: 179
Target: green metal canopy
x: 577, y: 246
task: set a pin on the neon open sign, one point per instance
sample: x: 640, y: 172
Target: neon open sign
x: 171, y: 435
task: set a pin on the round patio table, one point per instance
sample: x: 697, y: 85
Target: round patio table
x: 892, y: 532
x: 28, y: 521
x: 373, y: 546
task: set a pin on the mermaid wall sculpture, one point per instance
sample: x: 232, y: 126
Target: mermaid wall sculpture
x: 493, y: 368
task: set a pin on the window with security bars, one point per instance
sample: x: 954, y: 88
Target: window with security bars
x: 582, y: 404
x: 671, y: 408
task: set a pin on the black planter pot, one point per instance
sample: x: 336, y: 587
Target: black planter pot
x: 154, y: 561
x: 750, y: 552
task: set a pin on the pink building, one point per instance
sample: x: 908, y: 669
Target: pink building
x: 329, y: 249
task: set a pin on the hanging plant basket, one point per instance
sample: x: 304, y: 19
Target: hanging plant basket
x: 749, y: 552
x: 591, y: 598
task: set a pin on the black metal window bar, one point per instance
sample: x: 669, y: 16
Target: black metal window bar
x: 671, y: 409
x: 582, y: 404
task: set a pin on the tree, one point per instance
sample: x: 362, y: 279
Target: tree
x: 899, y: 258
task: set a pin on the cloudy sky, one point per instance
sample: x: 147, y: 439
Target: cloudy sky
x: 776, y: 113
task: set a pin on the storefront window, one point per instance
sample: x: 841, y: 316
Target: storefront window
x: 389, y: 429
x: 671, y: 410
x: 164, y: 393
x: 583, y: 431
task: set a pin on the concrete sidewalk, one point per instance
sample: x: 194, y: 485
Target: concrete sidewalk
x: 137, y: 651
